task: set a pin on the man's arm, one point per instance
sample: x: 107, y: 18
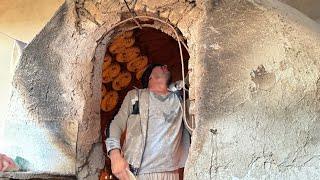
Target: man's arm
x: 177, y: 87
x: 116, y: 128
x: 118, y: 125
x: 7, y: 164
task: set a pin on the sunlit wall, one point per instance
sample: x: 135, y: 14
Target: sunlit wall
x: 22, y: 20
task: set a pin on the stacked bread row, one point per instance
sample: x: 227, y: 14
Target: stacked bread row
x: 121, y: 52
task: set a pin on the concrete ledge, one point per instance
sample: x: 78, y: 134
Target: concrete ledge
x: 34, y: 175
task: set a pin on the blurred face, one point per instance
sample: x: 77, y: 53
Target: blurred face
x: 159, y: 77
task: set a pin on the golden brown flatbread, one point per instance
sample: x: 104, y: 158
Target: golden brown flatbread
x: 103, y: 91
x: 140, y: 73
x: 109, y: 101
x: 128, y: 54
x: 110, y: 72
x: 106, y: 61
x: 137, y: 64
x: 126, y: 34
x: 120, y: 44
x: 121, y: 81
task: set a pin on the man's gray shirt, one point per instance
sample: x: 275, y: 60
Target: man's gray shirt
x: 163, y: 150
x: 153, y: 133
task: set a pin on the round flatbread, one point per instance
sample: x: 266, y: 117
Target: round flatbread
x: 109, y: 101
x: 140, y: 73
x: 121, y: 81
x: 128, y: 54
x: 106, y: 61
x: 120, y: 44
x: 111, y: 72
x: 103, y: 91
x: 137, y: 64
x: 126, y: 34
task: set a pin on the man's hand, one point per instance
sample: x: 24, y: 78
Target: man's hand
x: 119, y: 165
x: 6, y: 163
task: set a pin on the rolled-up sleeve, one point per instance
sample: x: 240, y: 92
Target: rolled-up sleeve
x: 118, y: 124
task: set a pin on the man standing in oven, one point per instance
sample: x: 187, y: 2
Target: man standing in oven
x: 157, y: 140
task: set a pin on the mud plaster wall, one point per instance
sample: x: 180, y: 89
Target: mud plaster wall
x: 54, y: 121
x: 258, y: 79
x: 255, y: 73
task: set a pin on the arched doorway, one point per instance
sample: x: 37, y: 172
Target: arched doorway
x: 145, y: 43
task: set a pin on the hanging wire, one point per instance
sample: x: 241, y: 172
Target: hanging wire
x: 133, y: 14
x: 179, y: 41
x: 8, y: 36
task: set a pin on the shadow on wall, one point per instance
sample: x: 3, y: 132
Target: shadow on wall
x: 41, y: 108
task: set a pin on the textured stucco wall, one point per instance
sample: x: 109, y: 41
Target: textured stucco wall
x: 54, y: 120
x: 38, y: 104
x: 255, y: 78
x: 308, y: 7
x: 22, y: 20
x: 258, y: 80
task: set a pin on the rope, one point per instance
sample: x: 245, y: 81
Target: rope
x: 134, y: 18
x: 133, y: 14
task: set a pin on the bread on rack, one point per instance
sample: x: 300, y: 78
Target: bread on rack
x: 140, y: 73
x: 121, y: 42
x: 126, y: 34
x: 109, y: 101
x: 106, y: 61
x: 137, y: 64
x: 110, y: 72
x: 119, y: 45
x: 103, y: 90
x: 122, y: 81
x: 128, y: 54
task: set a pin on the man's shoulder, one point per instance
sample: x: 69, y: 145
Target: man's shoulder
x: 177, y: 93
x: 134, y: 92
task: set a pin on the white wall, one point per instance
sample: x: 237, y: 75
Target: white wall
x: 6, y: 46
x: 22, y: 20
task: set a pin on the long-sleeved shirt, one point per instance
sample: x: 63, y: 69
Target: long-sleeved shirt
x: 136, y: 121
x: 163, y: 150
